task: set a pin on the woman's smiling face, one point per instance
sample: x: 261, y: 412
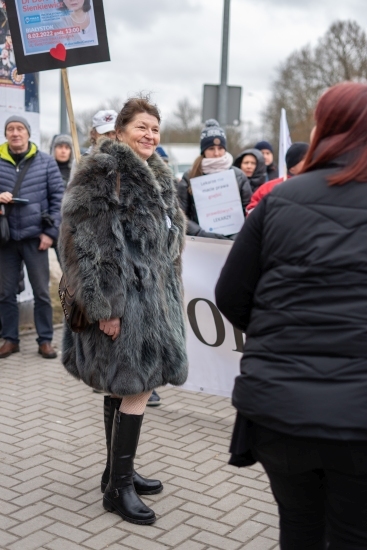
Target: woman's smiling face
x: 141, y: 134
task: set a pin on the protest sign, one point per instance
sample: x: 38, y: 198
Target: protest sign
x: 218, y: 202
x: 214, y: 346
x: 51, y: 34
x: 18, y: 93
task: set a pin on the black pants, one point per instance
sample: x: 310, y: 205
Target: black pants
x: 320, y: 487
x: 11, y: 256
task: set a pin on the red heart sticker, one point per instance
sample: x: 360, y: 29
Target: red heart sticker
x: 59, y: 52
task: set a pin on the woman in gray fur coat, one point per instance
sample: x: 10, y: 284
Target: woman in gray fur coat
x: 122, y: 254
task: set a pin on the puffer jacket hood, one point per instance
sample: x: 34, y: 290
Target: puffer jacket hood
x: 259, y: 176
x: 5, y: 155
x: 61, y: 139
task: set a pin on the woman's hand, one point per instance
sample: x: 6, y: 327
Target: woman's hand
x: 111, y: 327
x: 5, y: 197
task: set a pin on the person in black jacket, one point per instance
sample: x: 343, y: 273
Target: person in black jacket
x: 296, y: 282
x: 266, y: 148
x: 214, y: 158
x: 252, y: 163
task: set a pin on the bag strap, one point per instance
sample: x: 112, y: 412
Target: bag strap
x: 19, y: 182
x: 21, y: 176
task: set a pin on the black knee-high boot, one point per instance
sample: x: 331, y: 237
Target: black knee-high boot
x: 120, y: 495
x: 143, y: 486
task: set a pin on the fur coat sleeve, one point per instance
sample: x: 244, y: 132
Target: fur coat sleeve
x: 91, y: 239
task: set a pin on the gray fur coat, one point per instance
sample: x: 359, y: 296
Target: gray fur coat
x: 123, y: 257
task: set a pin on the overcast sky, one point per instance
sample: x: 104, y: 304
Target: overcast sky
x: 173, y: 47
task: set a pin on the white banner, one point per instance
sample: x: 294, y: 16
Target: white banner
x: 214, y: 346
x: 218, y: 202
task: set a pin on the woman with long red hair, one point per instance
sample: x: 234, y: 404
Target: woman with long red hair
x: 296, y: 282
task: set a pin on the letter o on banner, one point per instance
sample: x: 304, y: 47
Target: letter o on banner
x: 219, y: 324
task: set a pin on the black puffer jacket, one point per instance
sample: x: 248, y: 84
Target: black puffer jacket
x: 259, y: 176
x: 187, y: 203
x: 296, y: 282
x: 272, y: 172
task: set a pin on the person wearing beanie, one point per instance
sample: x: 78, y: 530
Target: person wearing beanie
x: 266, y: 149
x: 252, y: 163
x: 62, y: 151
x: 214, y: 158
x: 162, y: 153
x: 32, y: 178
x: 295, y: 159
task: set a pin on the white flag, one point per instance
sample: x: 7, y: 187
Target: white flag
x: 284, y: 143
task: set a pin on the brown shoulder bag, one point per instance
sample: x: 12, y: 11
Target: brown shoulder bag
x: 74, y: 315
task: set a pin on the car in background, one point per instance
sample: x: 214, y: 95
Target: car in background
x: 181, y: 157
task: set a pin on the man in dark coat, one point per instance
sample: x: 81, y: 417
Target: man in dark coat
x: 33, y: 225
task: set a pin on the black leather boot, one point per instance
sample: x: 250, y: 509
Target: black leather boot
x: 120, y: 495
x: 143, y: 486
x: 110, y: 404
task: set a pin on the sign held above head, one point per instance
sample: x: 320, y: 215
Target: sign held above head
x: 55, y: 34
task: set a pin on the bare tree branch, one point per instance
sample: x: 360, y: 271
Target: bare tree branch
x: 341, y: 54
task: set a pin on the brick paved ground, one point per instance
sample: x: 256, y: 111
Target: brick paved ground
x: 52, y: 454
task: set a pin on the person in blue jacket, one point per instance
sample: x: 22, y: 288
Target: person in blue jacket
x: 33, y: 226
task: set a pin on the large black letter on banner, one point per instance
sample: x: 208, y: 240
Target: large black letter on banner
x: 238, y: 338
x: 219, y: 325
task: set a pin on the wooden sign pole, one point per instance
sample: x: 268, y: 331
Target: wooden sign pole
x: 69, y: 107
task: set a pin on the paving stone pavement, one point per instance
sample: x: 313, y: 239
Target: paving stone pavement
x: 52, y: 453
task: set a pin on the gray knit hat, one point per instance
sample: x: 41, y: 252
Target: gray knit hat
x: 16, y: 118
x: 62, y: 139
x: 211, y: 135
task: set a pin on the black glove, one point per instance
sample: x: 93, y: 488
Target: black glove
x: 208, y: 235
x: 47, y: 220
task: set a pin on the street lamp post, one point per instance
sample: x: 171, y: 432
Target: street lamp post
x: 223, y: 89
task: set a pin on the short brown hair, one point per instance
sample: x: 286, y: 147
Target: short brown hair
x: 132, y: 107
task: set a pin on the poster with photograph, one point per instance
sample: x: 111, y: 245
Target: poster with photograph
x: 52, y: 34
x: 19, y: 93
x: 8, y: 72
x: 70, y: 22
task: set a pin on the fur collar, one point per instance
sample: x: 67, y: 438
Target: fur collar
x: 153, y: 174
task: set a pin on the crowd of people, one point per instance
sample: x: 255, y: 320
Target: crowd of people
x: 294, y: 282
